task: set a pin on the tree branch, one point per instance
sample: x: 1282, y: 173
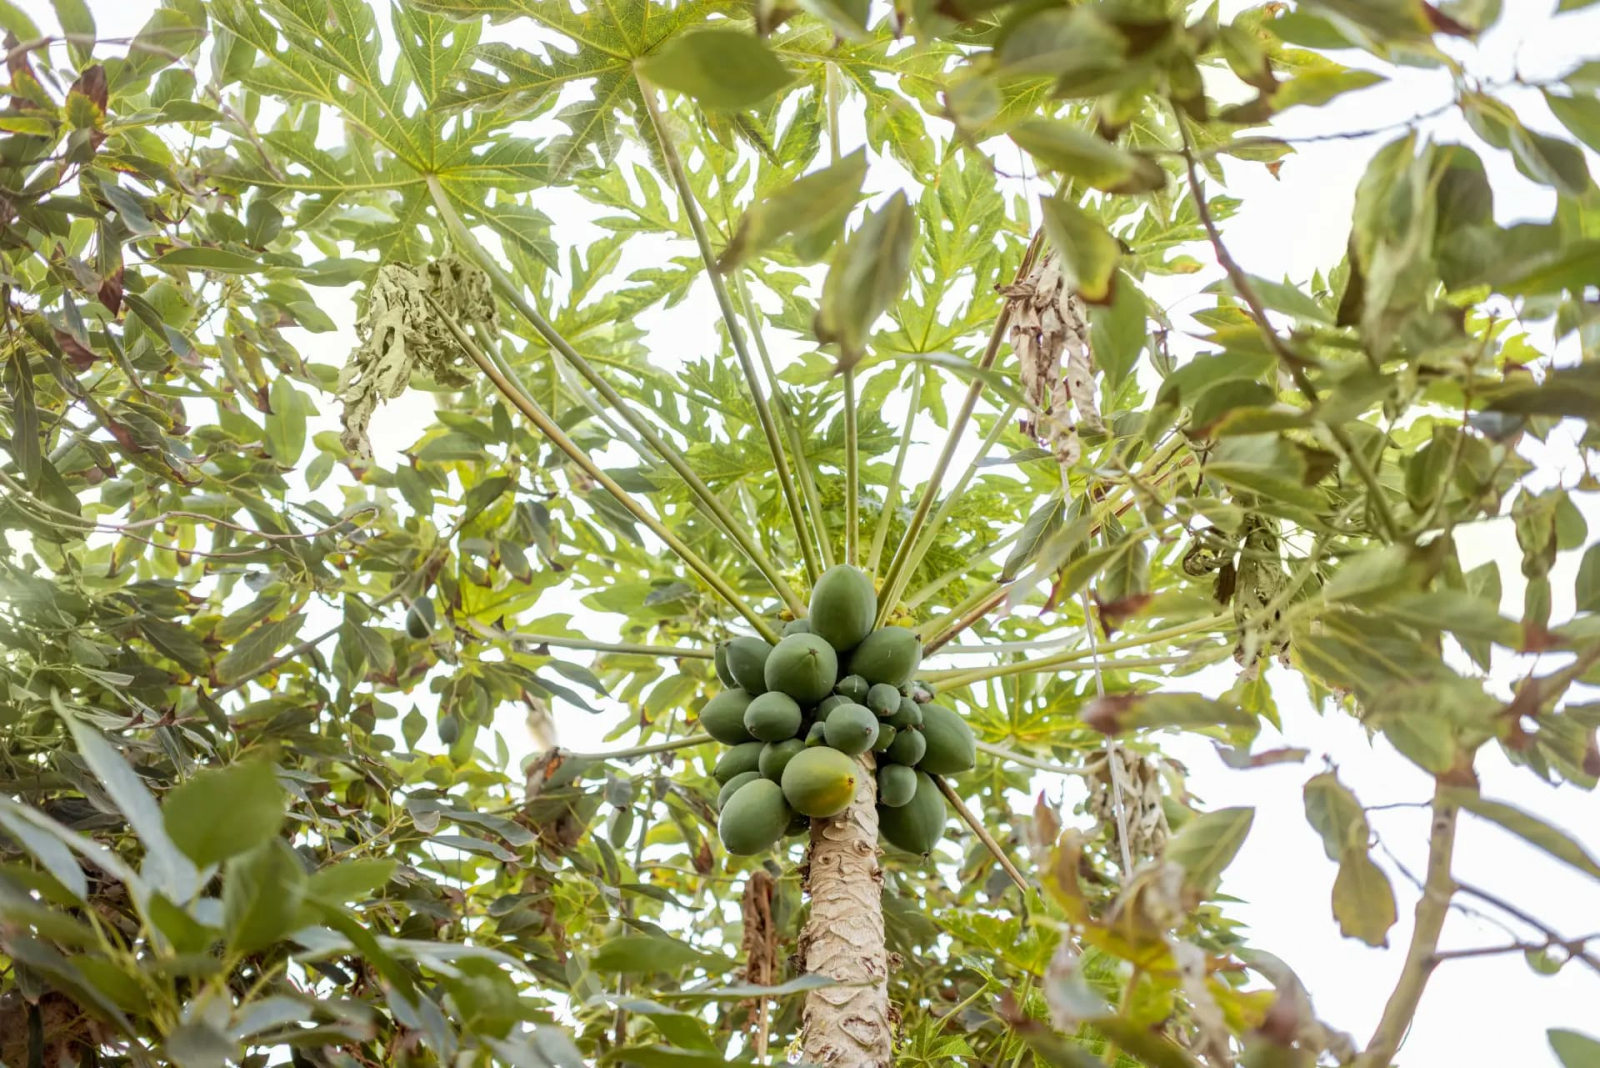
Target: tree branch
x: 982, y: 832
x: 1291, y: 361
x: 1432, y: 908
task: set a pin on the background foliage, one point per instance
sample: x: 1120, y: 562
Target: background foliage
x: 205, y: 607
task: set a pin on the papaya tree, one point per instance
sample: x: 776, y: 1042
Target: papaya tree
x: 795, y: 397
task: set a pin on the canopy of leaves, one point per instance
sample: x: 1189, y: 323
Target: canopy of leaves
x: 257, y: 690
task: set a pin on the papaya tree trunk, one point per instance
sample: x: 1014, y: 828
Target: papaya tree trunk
x: 850, y: 1025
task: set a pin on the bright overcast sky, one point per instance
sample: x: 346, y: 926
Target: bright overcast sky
x: 1486, y: 1011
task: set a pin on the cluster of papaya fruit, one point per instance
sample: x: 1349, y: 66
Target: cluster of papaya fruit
x: 799, y: 715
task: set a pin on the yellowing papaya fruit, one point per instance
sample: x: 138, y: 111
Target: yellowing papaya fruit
x: 888, y: 654
x: 753, y: 818
x: 951, y: 747
x: 843, y: 606
x: 883, y: 699
x: 719, y: 659
x: 820, y: 782
x: 747, y: 660
x: 776, y: 756
x: 908, y: 748
x: 723, y: 717
x: 917, y: 825
x: 851, y: 729
x: 803, y: 666
x: 897, y: 785
x: 772, y: 717
x: 738, y: 760
x: 731, y: 787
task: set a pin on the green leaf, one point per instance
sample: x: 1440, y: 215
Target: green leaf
x: 261, y: 895
x: 168, y: 869
x: 1117, y: 331
x: 718, y: 68
x: 286, y: 424
x: 800, y: 984
x: 1078, y: 154
x: 16, y: 22
x: 1587, y: 587
x: 641, y: 954
x: 1574, y: 5
x: 1363, y: 900
x: 257, y: 647
x: 223, y: 812
x: 78, y: 24
x: 1579, y: 114
x: 49, y: 851
x: 867, y: 275
x: 1336, y: 814
x: 1089, y: 253
x: 1207, y: 845
x: 1530, y: 829
x: 350, y: 880
x: 216, y: 260
x: 1045, y: 521
x: 1574, y: 1050
x: 812, y: 210
x: 1118, y: 713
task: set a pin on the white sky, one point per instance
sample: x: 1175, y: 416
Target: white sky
x: 1486, y: 1011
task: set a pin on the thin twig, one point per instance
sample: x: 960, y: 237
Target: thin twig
x: 1290, y: 360
x: 982, y: 832
x: 1537, y: 924
x: 684, y: 652
x: 1002, y: 753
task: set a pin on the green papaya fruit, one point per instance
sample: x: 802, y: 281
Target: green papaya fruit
x: 885, y: 737
x: 736, y: 761
x: 830, y: 703
x: 747, y: 661
x: 888, y: 654
x: 897, y: 784
x: 843, y: 606
x: 853, y: 687
x: 851, y: 729
x: 754, y: 818
x: 723, y: 717
x: 719, y: 658
x: 772, y: 717
x: 816, y: 736
x: 820, y: 782
x: 731, y: 787
x: 908, y: 748
x: 797, y: 626
x: 420, y: 618
x: 803, y: 666
x: 776, y: 756
x: 909, y: 714
x: 951, y: 747
x: 883, y: 699
x: 917, y: 825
